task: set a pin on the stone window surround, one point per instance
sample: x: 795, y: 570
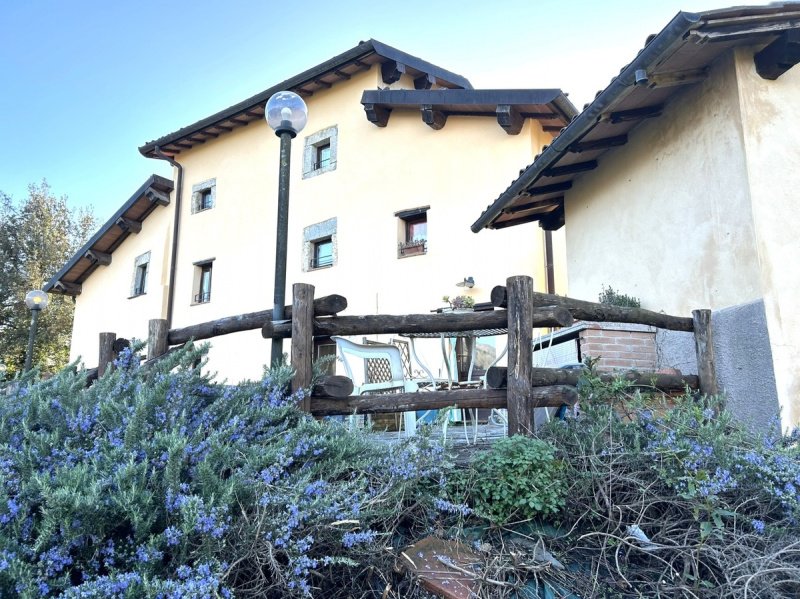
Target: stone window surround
x: 317, y: 232
x: 197, y: 194
x: 196, y: 279
x: 323, y: 137
x: 143, y: 259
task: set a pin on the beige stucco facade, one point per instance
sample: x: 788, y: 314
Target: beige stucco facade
x: 378, y: 172
x: 699, y: 209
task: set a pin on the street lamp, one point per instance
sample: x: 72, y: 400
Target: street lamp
x: 36, y: 301
x: 287, y: 114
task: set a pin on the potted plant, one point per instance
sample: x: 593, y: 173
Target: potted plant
x: 460, y: 303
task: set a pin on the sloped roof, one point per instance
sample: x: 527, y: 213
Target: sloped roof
x: 679, y: 56
x: 323, y: 76
x: 97, y: 251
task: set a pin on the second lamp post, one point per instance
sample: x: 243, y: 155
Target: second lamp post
x: 287, y: 114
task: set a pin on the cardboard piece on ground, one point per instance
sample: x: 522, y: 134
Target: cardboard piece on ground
x: 427, y: 560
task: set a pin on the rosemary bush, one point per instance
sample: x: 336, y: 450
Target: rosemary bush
x: 159, y: 482
x: 671, y: 497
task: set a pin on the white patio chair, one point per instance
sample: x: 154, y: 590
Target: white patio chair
x: 349, y: 351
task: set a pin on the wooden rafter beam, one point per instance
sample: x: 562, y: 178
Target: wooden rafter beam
x: 341, y: 74
x: 156, y: 197
x: 129, y: 225
x: 545, y: 189
x: 637, y: 114
x: 570, y: 169
x: 184, y: 144
x: 553, y: 221
x: 223, y: 128
x: 101, y: 258
x: 599, y: 144
x: 539, y: 207
x: 677, y: 78
x: 322, y: 83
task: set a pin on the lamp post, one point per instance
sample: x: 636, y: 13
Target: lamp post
x: 36, y: 301
x: 287, y: 114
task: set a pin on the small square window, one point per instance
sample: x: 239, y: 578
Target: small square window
x: 202, y: 294
x: 412, y: 232
x: 204, y: 195
x: 319, y: 154
x: 319, y: 245
x: 141, y: 268
x: 322, y: 255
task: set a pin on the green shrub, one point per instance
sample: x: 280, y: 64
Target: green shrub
x: 159, y: 482
x: 518, y: 478
x: 609, y: 296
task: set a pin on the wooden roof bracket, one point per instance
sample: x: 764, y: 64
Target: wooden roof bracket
x: 392, y: 70
x: 435, y: 119
x: 425, y: 81
x: 779, y: 56
x: 67, y: 288
x: 509, y: 118
x: 377, y: 115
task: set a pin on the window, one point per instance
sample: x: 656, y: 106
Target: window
x: 319, y: 245
x: 412, y: 232
x: 319, y: 154
x: 141, y: 267
x: 323, y: 156
x: 204, y: 195
x: 325, y: 348
x: 323, y: 253
x: 202, y: 281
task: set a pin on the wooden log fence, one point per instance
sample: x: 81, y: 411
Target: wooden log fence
x: 497, y: 378
x: 519, y: 388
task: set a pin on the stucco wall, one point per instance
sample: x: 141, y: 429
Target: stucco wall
x: 771, y: 122
x: 379, y: 172
x: 667, y: 217
x: 105, y: 303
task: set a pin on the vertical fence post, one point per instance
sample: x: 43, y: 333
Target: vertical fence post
x: 302, y: 338
x: 157, y: 333
x: 703, y: 343
x: 106, y: 354
x: 520, y: 355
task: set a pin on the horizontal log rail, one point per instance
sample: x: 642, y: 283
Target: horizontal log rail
x: 594, y: 312
x: 554, y: 396
x: 323, y: 306
x: 379, y: 324
x: 497, y: 378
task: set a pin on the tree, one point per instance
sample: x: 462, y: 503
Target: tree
x: 37, y: 237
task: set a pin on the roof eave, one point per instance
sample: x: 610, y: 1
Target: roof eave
x: 679, y: 26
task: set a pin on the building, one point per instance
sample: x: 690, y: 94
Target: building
x: 383, y: 185
x: 678, y: 184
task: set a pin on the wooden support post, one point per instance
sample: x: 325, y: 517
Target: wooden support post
x: 107, y: 355
x: 157, y: 332
x: 520, y: 355
x: 703, y: 343
x: 302, y: 339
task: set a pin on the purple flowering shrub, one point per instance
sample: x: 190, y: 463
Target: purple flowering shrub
x: 159, y: 482
x: 675, y: 498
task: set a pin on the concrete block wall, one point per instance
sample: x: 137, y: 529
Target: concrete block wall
x: 620, y: 347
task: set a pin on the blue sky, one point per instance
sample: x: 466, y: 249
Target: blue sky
x: 84, y: 83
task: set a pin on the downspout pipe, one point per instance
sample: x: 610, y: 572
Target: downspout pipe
x: 175, y: 233
x: 675, y: 30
